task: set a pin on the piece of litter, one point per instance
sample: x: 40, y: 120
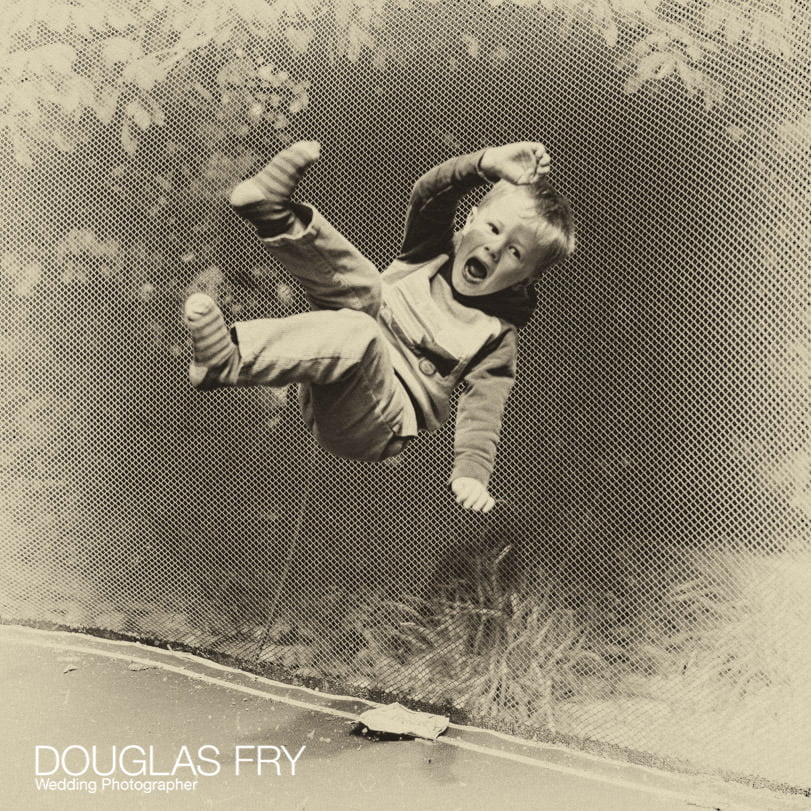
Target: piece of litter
x: 395, y: 719
x: 70, y: 669
x: 136, y: 666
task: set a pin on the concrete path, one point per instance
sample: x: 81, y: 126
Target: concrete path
x: 170, y: 730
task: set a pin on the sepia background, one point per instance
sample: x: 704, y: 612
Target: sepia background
x: 643, y: 586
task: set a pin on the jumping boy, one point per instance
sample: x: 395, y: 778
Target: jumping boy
x: 379, y: 355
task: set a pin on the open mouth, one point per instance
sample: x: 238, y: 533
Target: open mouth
x: 475, y: 270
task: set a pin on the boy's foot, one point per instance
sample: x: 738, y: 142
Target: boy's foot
x: 265, y: 199
x: 216, y: 357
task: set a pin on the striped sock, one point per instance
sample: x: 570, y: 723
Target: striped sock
x: 216, y: 357
x: 265, y: 199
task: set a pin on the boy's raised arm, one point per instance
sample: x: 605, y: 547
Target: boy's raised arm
x: 432, y: 206
x: 435, y: 196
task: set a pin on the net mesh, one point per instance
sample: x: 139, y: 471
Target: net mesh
x: 642, y: 584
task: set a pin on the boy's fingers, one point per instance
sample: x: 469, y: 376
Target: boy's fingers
x: 467, y: 497
x: 472, y: 495
x: 544, y: 162
x: 483, y: 503
x: 464, y: 497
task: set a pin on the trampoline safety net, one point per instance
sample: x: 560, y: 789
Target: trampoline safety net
x: 643, y: 585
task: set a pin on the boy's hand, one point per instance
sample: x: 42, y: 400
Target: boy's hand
x: 472, y: 495
x: 518, y: 163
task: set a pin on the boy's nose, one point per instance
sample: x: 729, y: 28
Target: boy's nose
x: 493, y: 247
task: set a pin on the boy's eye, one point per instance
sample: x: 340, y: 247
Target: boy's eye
x: 492, y: 227
x: 515, y: 252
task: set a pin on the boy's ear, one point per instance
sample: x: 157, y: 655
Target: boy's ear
x: 470, y: 217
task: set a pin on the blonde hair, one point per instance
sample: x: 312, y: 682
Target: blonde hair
x: 552, y: 209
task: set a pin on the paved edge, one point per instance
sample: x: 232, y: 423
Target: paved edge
x: 696, y: 791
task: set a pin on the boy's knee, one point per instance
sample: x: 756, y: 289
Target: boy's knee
x: 359, y: 327
x: 369, y: 295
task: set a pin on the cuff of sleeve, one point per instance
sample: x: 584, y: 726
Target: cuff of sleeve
x: 478, y: 156
x: 470, y: 469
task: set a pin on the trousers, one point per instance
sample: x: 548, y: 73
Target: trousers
x: 350, y: 397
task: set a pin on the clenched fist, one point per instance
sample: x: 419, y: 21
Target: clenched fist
x: 519, y: 163
x: 472, y: 495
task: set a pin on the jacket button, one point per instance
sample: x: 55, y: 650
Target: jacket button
x: 426, y: 367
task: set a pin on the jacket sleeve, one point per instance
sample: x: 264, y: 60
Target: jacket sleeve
x: 432, y: 206
x: 488, y: 383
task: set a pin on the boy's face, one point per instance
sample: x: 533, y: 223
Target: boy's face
x: 499, y: 245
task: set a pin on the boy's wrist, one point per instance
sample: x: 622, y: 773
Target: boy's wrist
x: 469, y: 469
x: 481, y: 170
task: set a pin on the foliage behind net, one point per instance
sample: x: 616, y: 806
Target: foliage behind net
x: 643, y: 582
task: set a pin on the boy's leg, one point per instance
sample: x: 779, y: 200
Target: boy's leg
x: 333, y: 272
x: 265, y: 199
x: 351, y: 399
x: 216, y: 357
x: 321, y: 347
